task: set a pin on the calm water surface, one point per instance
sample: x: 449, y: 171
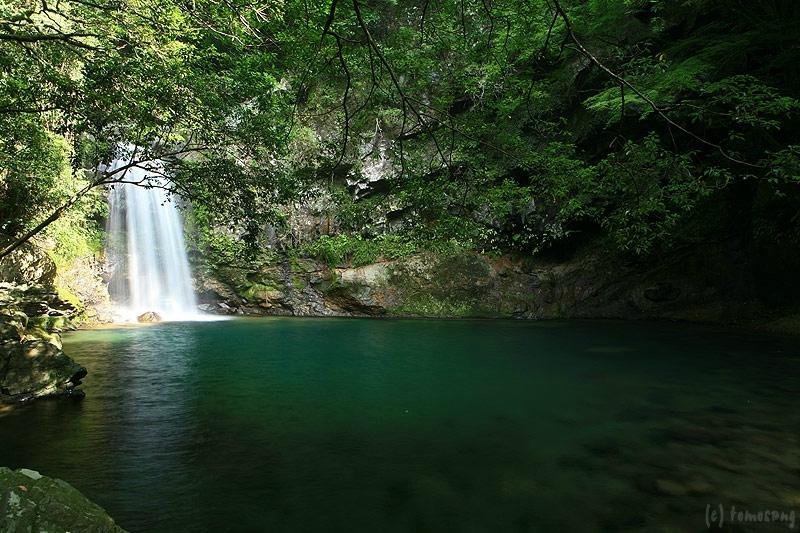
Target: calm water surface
x: 366, y: 425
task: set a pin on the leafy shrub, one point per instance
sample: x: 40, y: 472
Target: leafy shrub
x: 356, y: 250
x: 219, y: 244
x: 647, y: 190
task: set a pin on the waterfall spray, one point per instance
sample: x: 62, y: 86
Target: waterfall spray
x: 147, y: 248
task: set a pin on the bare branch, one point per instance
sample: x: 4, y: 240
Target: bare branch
x: 346, y: 132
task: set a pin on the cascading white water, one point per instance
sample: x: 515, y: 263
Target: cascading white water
x: 147, y: 248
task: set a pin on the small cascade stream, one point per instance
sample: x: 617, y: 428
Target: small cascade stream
x: 147, y: 250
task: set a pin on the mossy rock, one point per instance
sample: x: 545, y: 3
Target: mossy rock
x: 50, y: 323
x: 426, y: 305
x: 331, y: 284
x: 432, y: 285
x: 299, y: 282
x: 38, y: 333
x: 32, y: 502
x: 268, y: 276
x: 256, y: 292
x: 68, y: 295
x: 12, y: 325
x: 233, y: 277
x: 304, y: 265
x: 35, y: 369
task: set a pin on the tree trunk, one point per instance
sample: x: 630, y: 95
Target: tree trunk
x: 55, y: 215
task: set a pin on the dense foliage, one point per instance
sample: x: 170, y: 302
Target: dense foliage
x: 503, y: 125
x: 515, y: 124
x: 84, y: 82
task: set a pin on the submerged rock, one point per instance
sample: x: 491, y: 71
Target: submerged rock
x: 669, y: 487
x: 32, y: 502
x: 148, y: 317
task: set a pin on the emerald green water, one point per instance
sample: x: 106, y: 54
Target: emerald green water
x: 367, y: 425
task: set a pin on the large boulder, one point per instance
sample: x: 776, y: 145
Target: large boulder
x: 37, y: 368
x: 149, y: 317
x: 32, y: 502
x: 32, y: 364
x: 28, y: 264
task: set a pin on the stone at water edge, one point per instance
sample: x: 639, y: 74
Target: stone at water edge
x: 32, y: 502
x: 148, y: 317
x: 32, y: 363
x: 37, y: 369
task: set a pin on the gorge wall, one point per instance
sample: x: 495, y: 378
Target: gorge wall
x: 714, y: 285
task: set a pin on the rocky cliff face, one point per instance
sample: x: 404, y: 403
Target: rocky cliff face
x: 708, y: 286
x: 28, y: 264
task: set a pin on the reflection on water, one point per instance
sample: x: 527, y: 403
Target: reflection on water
x: 305, y: 424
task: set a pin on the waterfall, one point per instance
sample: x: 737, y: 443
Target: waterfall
x: 146, y: 248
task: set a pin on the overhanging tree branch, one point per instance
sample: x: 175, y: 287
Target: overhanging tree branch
x: 55, y: 215
x: 405, y: 101
x: 345, y: 109
x: 107, y: 177
x: 69, y: 38
x: 625, y: 83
